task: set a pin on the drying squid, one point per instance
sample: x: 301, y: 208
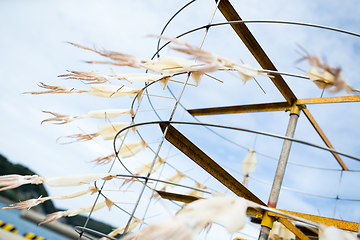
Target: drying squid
x: 69, y: 213
x: 333, y: 233
x: 197, y: 193
x: 228, y: 211
x: 127, y: 150
x: 174, y: 178
x: 119, y: 59
x: 144, y: 169
x: 279, y: 231
x: 104, y: 114
x: 326, y: 76
x: 107, y: 131
x: 121, y: 230
x: 13, y: 180
x: 106, y: 91
x: 34, y: 202
x: 248, y: 165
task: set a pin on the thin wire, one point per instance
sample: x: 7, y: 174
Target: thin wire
x: 338, y: 191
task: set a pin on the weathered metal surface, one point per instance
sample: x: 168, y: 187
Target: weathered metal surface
x: 254, y: 47
x: 324, y: 138
x: 342, y: 99
x: 346, y: 225
x: 280, y: 171
x: 209, y: 165
x: 264, y: 107
x: 293, y: 229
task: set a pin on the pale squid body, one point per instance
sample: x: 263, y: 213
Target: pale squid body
x: 14, y: 180
x: 144, y: 169
x: 104, y: 114
x: 121, y: 230
x: 111, y: 91
x: 169, y: 65
x: 249, y: 163
x: 246, y: 72
x: 77, y: 180
x: 109, y: 130
x: 197, y: 193
x: 333, y: 233
x: 34, y: 202
x: 279, y: 231
x: 323, y: 80
x: 56, y: 215
x: 228, y: 211
x: 175, y: 178
x: 127, y: 150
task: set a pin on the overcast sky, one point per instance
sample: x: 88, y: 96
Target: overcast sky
x: 33, y: 49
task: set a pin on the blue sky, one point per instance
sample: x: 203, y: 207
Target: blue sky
x: 33, y: 49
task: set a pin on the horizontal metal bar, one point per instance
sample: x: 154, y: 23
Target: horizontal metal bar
x: 346, y: 225
x: 209, y: 165
x: 342, y: 99
x: 263, y: 107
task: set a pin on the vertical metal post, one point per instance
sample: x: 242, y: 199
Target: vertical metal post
x: 280, y: 172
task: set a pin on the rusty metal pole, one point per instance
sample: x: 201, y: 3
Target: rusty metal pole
x: 267, y: 221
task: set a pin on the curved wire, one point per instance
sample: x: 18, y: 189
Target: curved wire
x: 244, y: 130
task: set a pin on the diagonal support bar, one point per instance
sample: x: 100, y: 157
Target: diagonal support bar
x: 254, y: 47
x: 324, y: 138
x: 293, y: 229
x: 263, y: 107
x: 209, y: 165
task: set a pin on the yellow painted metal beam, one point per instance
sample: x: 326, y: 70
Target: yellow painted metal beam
x: 346, y: 225
x: 324, y: 138
x: 293, y: 229
x: 199, y: 157
x: 254, y: 47
x: 263, y: 107
x: 343, y: 99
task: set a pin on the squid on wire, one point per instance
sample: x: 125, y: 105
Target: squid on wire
x: 144, y: 169
x: 228, y: 211
x: 333, y: 233
x: 248, y: 165
x: 34, y: 202
x: 127, y: 150
x: 103, y: 114
x: 121, y: 230
x: 196, y: 193
x: 176, y: 178
x: 69, y: 213
x: 107, y: 131
x: 14, y: 180
x: 106, y: 91
x: 326, y: 76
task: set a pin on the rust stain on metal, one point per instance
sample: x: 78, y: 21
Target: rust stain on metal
x: 263, y: 107
x: 209, y: 165
x: 293, y: 229
x: 254, y: 47
x: 346, y: 225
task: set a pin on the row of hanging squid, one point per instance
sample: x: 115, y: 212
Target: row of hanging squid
x: 228, y: 211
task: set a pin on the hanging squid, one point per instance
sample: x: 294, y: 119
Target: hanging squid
x: 98, y: 77
x: 228, y: 211
x: 248, y: 165
x: 14, y: 180
x: 69, y: 213
x: 34, y: 202
x: 127, y: 150
x: 107, y: 131
x: 326, y: 76
x: 174, y: 178
x: 197, y: 193
x: 106, y: 91
x: 103, y: 114
x: 279, y: 231
x: 121, y: 230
